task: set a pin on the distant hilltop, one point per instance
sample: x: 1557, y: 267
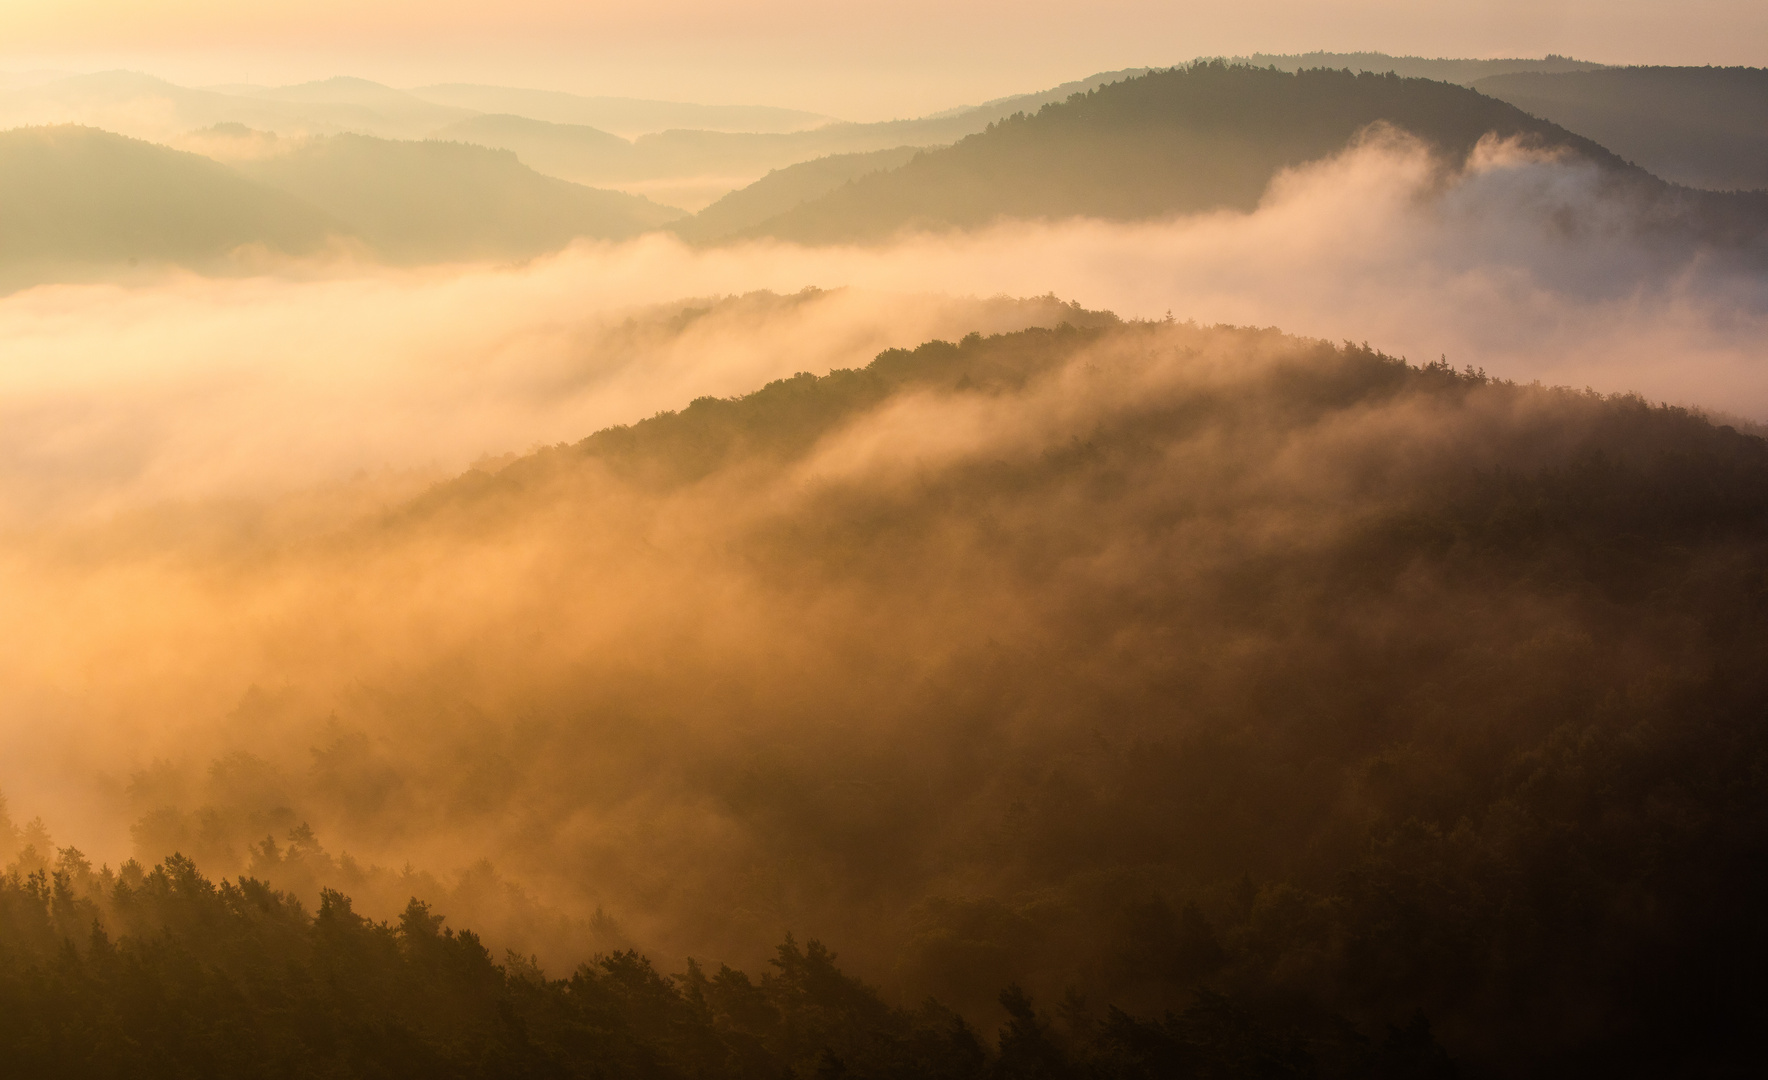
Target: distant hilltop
x: 1465, y: 72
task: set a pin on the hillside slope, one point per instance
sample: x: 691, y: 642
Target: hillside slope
x: 1185, y: 140
x: 422, y: 201
x: 785, y: 189
x: 75, y: 198
x: 572, y: 152
x: 1120, y: 659
x: 1704, y: 127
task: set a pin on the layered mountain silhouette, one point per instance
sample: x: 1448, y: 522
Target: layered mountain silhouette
x: 1706, y: 127
x: 142, y: 105
x: 1194, y: 139
x: 627, y: 117
x: 717, y: 161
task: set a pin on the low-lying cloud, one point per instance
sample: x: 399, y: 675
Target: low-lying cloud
x: 617, y: 690
x: 1522, y: 265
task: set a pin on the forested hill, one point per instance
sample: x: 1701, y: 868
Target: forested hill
x: 1189, y: 139
x: 78, y: 203
x: 1328, y: 703
x: 76, y: 197
x: 431, y: 200
x: 1702, y: 126
x: 1418, y: 671
x: 238, y: 980
x: 720, y: 156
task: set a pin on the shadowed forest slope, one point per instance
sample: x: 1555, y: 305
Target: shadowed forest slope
x: 1194, y: 139
x: 239, y: 980
x: 1705, y: 127
x: 1162, y: 664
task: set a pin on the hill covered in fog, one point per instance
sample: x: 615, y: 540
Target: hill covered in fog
x: 432, y: 200
x: 145, y: 106
x: 1211, y: 670
x: 1705, y: 127
x: 81, y: 201
x: 625, y: 117
x: 1181, y: 141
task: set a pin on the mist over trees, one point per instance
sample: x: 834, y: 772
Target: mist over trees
x: 1209, y: 136
x: 1118, y: 146
x: 1101, y: 698
x: 438, y: 201
x: 79, y: 201
x: 1288, y: 688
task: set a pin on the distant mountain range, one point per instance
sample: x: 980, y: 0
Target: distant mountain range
x: 1121, y: 145
x: 672, y: 151
x: 438, y: 201
x: 626, y: 117
x: 136, y: 104
x: 77, y: 200
x: 693, y: 167
x: 1442, y: 69
x: 146, y: 107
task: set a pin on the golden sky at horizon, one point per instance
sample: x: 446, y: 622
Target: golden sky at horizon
x: 863, y: 60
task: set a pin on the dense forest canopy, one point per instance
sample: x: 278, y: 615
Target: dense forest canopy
x: 721, y: 157
x: 1242, y: 683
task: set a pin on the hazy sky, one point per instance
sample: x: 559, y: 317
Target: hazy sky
x: 861, y: 60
